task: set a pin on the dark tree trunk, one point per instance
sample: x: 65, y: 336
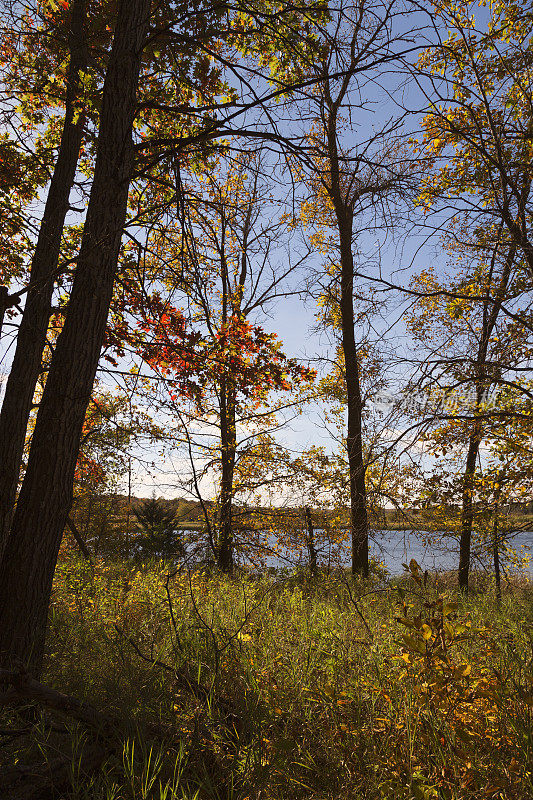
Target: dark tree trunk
x: 311, y: 547
x: 80, y: 541
x: 31, y: 338
x: 467, y: 510
x: 228, y: 446
x: 491, y: 310
x: 496, y: 557
x: 28, y: 563
x: 4, y: 294
x: 354, y: 440
x: 344, y: 214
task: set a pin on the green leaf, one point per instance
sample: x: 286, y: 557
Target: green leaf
x: 449, y: 608
x: 414, y: 644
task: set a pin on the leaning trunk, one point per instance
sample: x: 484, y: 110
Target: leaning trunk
x: 31, y: 338
x: 467, y: 510
x: 490, y: 316
x: 28, y: 563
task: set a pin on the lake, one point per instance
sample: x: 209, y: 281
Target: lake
x: 395, y: 547
x: 431, y: 551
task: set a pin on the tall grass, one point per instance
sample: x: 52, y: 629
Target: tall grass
x: 318, y: 688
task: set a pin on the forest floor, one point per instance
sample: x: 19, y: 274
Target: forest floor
x: 206, y: 687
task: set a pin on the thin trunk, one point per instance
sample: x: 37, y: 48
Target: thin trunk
x: 228, y: 399
x: 28, y: 563
x: 31, y: 337
x: 491, y: 311
x: 311, y: 547
x: 496, y: 557
x: 495, y: 539
x: 80, y: 541
x: 354, y: 439
x: 467, y: 510
x: 229, y: 446
x: 4, y: 294
x: 128, y: 516
x: 88, y: 516
x: 6, y: 301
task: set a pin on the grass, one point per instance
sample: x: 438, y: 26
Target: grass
x: 317, y: 688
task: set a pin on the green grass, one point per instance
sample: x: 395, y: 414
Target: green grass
x: 331, y: 696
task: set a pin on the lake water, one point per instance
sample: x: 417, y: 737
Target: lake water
x: 432, y: 551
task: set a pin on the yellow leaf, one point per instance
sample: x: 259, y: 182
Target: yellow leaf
x: 463, y: 670
x: 449, y: 608
x: 448, y: 630
x: 427, y: 633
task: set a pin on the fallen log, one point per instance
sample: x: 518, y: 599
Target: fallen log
x: 50, y: 780
x: 24, y: 687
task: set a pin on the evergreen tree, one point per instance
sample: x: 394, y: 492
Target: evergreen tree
x: 159, y: 537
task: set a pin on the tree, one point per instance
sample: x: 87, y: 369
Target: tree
x: 31, y: 337
x: 160, y: 538
x: 478, y: 128
x: 111, y: 426
x: 224, y: 268
x: 312, y: 524
x: 26, y: 571
x: 348, y: 181
x: 477, y: 134
x: 471, y: 351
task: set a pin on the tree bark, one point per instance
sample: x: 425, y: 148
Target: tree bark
x: 311, y: 547
x: 28, y: 563
x: 467, y: 510
x: 80, y: 541
x: 228, y: 445
x: 496, y: 551
x: 344, y: 214
x: 354, y: 440
x: 491, y: 310
x: 31, y: 337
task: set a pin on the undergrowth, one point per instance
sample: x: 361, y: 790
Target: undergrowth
x: 322, y: 688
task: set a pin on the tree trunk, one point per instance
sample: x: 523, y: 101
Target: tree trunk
x: 228, y: 446
x: 80, y: 541
x: 496, y: 558
x: 354, y: 441
x: 4, y: 294
x: 31, y: 338
x: 311, y: 547
x: 467, y: 510
x: 28, y: 563
x: 491, y: 310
